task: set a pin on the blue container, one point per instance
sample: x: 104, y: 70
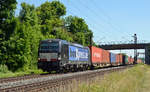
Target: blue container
x: 112, y: 58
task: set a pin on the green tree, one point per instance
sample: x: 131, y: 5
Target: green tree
x: 79, y: 28
x: 50, y: 11
x: 28, y: 14
x: 80, y: 38
x: 23, y: 44
x: 49, y: 15
x: 61, y: 33
x: 7, y: 23
x: 7, y: 8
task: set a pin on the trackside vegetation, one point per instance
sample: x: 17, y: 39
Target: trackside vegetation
x: 134, y: 79
x: 20, y: 35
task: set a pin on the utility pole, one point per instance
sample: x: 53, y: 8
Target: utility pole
x: 135, y: 50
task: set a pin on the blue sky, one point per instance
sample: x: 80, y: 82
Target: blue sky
x: 110, y: 20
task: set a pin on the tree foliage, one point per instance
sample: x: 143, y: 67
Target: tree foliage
x: 28, y: 14
x: 20, y: 39
x: 7, y: 8
x: 7, y: 23
x: 50, y: 10
x: 78, y: 27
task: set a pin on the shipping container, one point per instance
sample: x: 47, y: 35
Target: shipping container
x: 106, y: 56
x: 99, y: 56
x: 119, y: 59
x: 139, y: 61
x: 113, y: 58
x: 129, y: 60
x: 96, y: 54
x: 132, y: 60
x: 125, y: 59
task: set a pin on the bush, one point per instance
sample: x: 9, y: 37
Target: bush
x: 3, y: 69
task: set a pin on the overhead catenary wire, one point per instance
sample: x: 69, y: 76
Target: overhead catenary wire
x: 106, y: 15
x: 91, y: 17
x: 98, y: 22
x: 85, y: 17
x: 93, y: 27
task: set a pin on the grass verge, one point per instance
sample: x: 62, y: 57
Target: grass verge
x: 20, y: 73
x: 136, y: 79
x: 5, y: 73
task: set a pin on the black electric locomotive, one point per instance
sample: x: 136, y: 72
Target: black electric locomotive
x: 56, y: 54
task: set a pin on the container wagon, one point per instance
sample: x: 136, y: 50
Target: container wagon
x: 106, y: 58
x: 119, y: 59
x: 113, y: 59
x: 129, y: 60
x: 132, y: 60
x: 139, y: 61
x: 99, y: 57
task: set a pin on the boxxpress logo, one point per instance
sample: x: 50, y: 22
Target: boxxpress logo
x: 78, y: 54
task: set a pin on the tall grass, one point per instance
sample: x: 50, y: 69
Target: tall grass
x: 136, y: 79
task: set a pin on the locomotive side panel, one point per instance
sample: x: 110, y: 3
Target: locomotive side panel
x: 78, y: 55
x: 64, y: 55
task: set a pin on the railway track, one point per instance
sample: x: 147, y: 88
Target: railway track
x: 25, y: 77
x: 11, y: 79
x: 53, y: 83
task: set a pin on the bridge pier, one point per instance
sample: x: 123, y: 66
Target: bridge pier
x: 147, y: 55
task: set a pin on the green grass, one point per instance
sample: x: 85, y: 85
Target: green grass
x: 136, y: 79
x: 19, y: 73
x: 5, y: 73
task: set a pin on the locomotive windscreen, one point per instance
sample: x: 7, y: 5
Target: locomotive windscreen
x: 49, y: 46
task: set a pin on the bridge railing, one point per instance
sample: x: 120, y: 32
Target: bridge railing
x: 122, y: 42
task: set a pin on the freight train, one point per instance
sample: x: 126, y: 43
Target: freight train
x: 59, y: 55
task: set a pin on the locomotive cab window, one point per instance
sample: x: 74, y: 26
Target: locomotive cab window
x: 49, y: 46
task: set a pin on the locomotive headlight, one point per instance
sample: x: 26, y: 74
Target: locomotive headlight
x: 59, y: 57
x: 38, y: 59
